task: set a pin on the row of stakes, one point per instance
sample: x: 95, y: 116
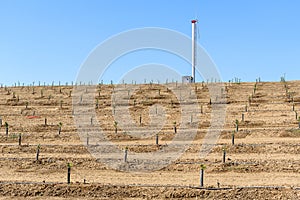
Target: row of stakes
x: 126, y: 153
x: 7, y: 126
x: 202, y: 166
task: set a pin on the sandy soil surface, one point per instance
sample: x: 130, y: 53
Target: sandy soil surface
x: 263, y: 163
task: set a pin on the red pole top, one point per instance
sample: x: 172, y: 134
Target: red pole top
x: 194, y: 21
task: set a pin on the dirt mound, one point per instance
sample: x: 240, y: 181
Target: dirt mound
x: 87, y: 191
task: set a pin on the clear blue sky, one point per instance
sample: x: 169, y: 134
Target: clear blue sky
x: 48, y: 40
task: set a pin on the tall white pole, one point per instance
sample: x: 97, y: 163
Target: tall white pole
x: 194, y: 46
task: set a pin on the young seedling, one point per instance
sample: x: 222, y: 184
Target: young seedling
x: 293, y: 107
x: 114, y: 109
x: 20, y: 139
x: 97, y: 103
x: 140, y: 120
x: 61, y: 104
x: 45, y: 121
x: 125, y: 154
x: 38, y: 152
x: 6, y: 128
x: 87, y: 140
x: 236, y: 125
x: 202, y: 168
x: 224, y: 155
x: 232, y: 138
x: 42, y: 94
x: 116, y: 127
x: 299, y: 122
x: 59, y: 128
x: 156, y: 138
x: 243, y: 117
x: 175, y: 128
x: 0, y: 122
x: 69, y: 165
x: 26, y: 104
x: 91, y: 120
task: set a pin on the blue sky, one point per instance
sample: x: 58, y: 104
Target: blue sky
x: 49, y: 40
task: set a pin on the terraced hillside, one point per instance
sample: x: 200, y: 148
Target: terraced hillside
x: 262, y: 163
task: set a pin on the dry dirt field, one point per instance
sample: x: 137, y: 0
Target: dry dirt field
x: 263, y: 163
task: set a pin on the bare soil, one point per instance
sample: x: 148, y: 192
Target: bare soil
x: 263, y: 163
